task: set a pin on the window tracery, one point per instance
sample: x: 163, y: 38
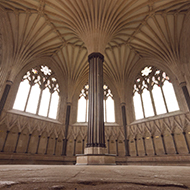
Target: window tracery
x: 38, y: 92
x: 109, y: 110
x: 153, y: 93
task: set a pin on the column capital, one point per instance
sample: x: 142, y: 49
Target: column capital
x: 95, y: 55
x: 123, y: 104
x: 182, y: 84
x: 69, y: 103
x: 9, y: 82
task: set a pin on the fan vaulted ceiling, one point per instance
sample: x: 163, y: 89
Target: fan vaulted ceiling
x: 128, y: 30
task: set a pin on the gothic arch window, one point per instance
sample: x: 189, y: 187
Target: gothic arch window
x: 109, y: 109
x: 38, y: 93
x: 153, y: 93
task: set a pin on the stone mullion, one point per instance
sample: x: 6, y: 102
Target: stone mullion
x: 17, y: 141
x: 28, y: 143
x: 5, y: 141
x: 28, y: 98
x: 163, y: 142
x: 164, y: 99
x: 184, y: 134
x: 49, y: 105
x: 55, y: 146
x: 173, y: 138
x: 142, y: 104
x: 153, y: 104
x: 47, y: 145
x: 39, y: 102
x: 144, y: 146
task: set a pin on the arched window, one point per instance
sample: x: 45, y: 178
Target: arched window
x: 109, y: 108
x: 153, y: 93
x: 38, y: 93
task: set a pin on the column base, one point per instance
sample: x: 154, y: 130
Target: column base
x: 95, y: 156
x: 94, y: 150
x: 95, y: 159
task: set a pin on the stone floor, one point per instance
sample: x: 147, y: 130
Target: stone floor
x: 51, y: 177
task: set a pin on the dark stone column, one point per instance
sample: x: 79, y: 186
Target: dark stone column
x: 108, y: 143
x: 184, y: 134
x: 66, y: 128
x: 173, y: 138
x: 82, y: 146
x: 28, y: 143
x: 95, y: 134
x: 64, y: 148
x: 186, y: 93
x: 136, y: 147
x: 74, y: 149
x: 17, y: 141
x: 5, y: 95
x: 154, y: 149
x: 47, y: 145
x: 116, y: 146
x: 144, y: 146
x: 38, y: 144
x: 163, y: 142
x: 125, y: 130
x: 5, y: 141
x: 128, y: 146
x: 55, y: 146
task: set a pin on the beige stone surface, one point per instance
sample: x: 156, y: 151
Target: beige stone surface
x: 36, y: 177
x: 95, y: 160
x: 94, y: 150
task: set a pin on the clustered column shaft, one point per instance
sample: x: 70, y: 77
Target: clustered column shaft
x: 95, y: 134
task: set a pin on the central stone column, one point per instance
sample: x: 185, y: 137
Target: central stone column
x: 95, y: 134
x: 94, y: 153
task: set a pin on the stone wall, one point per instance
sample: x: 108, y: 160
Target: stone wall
x: 25, y: 139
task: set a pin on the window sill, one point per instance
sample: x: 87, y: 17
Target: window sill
x: 106, y: 124
x: 162, y: 116
x: 21, y: 113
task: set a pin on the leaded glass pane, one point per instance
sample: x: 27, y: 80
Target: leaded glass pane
x: 158, y: 100
x: 108, y: 103
x: 81, y: 110
x: 54, y: 105
x: 42, y: 82
x: 104, y: 102
x: 147, y: 103
x: 110, y: 110
x: 33, y: 99
x: 44, y: 104
x: 22, y: 95
x: 138, y: 106
x: 170, y: 96
x: 149, y: 84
